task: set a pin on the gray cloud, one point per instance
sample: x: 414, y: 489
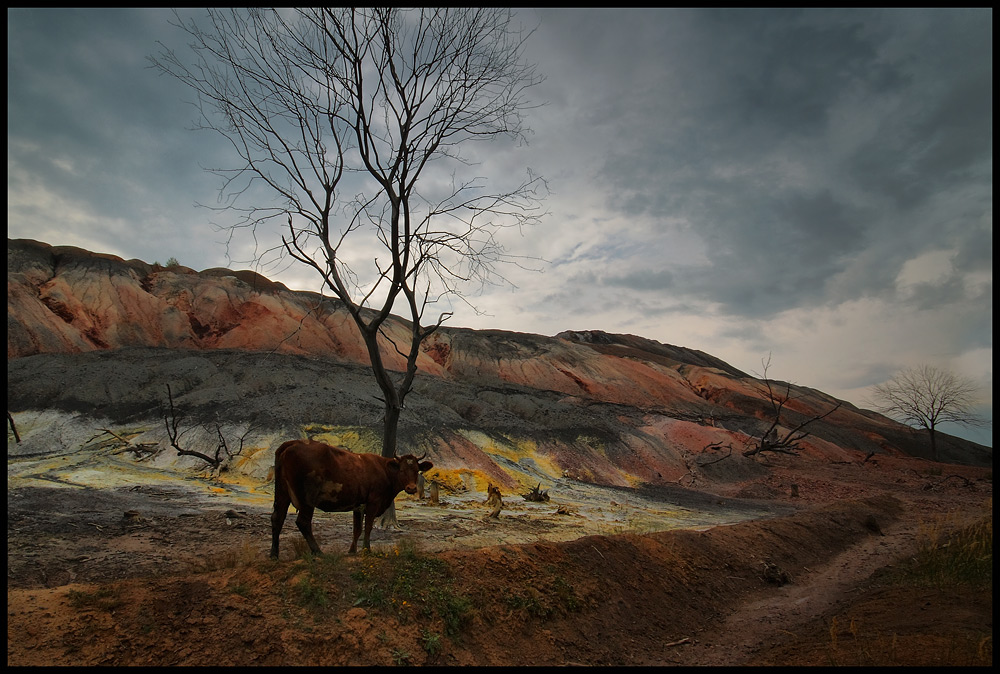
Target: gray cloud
x: 661, y: 279
x: 92, y: 124
x: 975, y: 250
x: 744, y: 142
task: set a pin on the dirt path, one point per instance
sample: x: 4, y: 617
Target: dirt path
x: 764, y: 621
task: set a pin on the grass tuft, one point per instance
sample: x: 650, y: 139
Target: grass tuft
x: 409, y: 584
x: 106, y: 598
x: 963, y: 558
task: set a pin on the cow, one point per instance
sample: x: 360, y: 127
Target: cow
x: 310, y: 475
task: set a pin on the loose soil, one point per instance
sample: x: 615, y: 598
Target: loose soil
x: 163, y: 575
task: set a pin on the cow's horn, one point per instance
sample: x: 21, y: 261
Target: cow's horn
x: 422, y: 456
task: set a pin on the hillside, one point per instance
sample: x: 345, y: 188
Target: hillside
x: 91, y: 334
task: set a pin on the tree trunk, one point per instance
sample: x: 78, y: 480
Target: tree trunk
x: 390, y: 430
x: 10, y: 421
x: 388, y: 519
x: 389, y: 433
x: 934, y: 452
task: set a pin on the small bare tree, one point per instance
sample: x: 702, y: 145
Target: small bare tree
x: 785, y: 441
x: 223, y: 453
x: 354, y: 119
x: 927, y: 397
x: 778, y: 438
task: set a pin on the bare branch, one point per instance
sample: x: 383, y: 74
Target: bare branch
x: 13, y: 427
x: 125, y: 444
x: 716, y: 446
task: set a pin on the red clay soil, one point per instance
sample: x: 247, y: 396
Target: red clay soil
x: 811, y: 588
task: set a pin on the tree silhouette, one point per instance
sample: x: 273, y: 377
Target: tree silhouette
x: 927, y: 397
x: 355, y: 119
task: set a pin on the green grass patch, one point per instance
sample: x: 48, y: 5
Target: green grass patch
x: 409, y: 584
x: 321, y: 573
x: 398, y: 581
x: 241, y: 589
x: 431, y: 641
x: 528, y: 602
x: 106, y: 598
x: 400, y: 657
x: 311, y: 594
x: 551, y: 596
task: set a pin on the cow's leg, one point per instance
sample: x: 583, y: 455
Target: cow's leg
x: 304, y: 522
x: 281, y: 501
x: 369, y: 520
x: 357, y: 530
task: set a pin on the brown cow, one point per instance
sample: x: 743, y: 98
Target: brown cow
x: 310, y: 475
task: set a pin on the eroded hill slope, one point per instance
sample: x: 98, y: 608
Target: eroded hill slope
x: 94, y: 340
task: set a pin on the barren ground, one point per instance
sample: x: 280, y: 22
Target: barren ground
x: 162, y: 575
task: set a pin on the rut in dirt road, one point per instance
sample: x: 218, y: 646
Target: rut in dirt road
x: 758, y: 622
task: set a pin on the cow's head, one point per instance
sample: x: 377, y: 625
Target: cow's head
x: 407, y: 468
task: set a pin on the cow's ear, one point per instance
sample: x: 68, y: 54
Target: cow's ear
x: 394, y: 464
x: 425, y: 466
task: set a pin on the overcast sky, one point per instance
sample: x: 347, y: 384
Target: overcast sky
x: 811, y: 184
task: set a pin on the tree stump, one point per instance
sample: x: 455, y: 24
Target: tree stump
x: 435, y: 491
x: 494, y: 500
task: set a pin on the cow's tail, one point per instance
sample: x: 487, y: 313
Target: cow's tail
x: 281, y: 450
x: 277, y: 461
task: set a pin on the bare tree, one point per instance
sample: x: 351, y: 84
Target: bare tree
x: 223, y: 453
x: 777, y: 438
x: 353, y: 119
x: 927, y: 397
